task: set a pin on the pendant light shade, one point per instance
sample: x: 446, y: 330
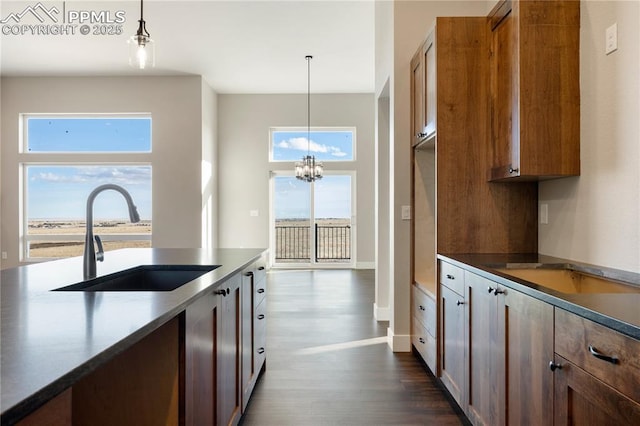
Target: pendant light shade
x: 309, y: 169
x: 142, y: 51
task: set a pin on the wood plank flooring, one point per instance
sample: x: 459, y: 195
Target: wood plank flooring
x: 328, y: 362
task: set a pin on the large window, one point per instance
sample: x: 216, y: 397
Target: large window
x: 62, y: 159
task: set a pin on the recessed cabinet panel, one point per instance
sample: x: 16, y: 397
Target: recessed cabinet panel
x: 453, y: 351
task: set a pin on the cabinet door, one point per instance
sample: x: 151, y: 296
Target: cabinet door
x: 429, y: 67
x: 525, y: 331
x: 417, y: 97
x: 581, y: 399
x: 504, y: 102
x: 453, y: 347
x: 248, y: 373
x: 228, y: 353
x: 201, y: 336
x: 483, y: 349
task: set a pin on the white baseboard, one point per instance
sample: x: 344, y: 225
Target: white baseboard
x: 381, y: 314
x: 365, y: 265
x: 398, y: 342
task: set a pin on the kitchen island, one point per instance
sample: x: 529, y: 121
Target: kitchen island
x: 51, y: 340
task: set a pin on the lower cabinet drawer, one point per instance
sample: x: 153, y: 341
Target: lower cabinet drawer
x: 452, y: 276
x: 424, y: 308
x: 606, y: 354
x: 260, y: 335
x: 425, y: 343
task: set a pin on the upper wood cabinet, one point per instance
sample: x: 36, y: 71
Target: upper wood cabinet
x: 535, y: 89
x: 423, y: 91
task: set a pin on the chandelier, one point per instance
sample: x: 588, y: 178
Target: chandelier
x: 141, y: 46
x: 309, y: 169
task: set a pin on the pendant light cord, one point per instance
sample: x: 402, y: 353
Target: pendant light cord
x: 309, y: 105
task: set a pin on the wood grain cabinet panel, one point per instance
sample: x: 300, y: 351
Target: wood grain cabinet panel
x: 535, y: 89
x: 453, y: 350
x: 582, y: 399
x: 603, y: 353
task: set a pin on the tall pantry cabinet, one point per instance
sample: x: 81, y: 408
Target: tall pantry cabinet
x: 455, y: 209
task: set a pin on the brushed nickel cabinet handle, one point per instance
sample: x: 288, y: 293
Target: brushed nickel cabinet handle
x: 599, y: 355
x: 553, y: 366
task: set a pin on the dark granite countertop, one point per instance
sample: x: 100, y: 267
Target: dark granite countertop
x: 619, y: 311
x: 50, y: 339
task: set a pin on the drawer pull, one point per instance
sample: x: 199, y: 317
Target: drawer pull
x: 421, y: 340
x: 553, y: 366
x: 421, y: 307
x: 594, y: 352
x: 490, y: 289
x: 459, y: 302
x: 261, y: 268
x: 450, y: 277
x: 261, y: 316
x: 248, y: 274
x: 261, y: 290
x: 261, y: 350
x: 497, y: 292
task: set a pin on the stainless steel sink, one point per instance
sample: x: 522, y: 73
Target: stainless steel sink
x: 144, y: 278
x: 566, y: 280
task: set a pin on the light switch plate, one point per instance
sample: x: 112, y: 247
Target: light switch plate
x: 544, y: 214
x: 611, y: 39
x: 406, y: 213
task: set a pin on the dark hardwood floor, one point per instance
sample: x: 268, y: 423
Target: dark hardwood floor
x: 328, y: 362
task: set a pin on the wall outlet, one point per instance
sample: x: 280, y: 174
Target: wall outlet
x: 544, y: 214
x: 254, y: 213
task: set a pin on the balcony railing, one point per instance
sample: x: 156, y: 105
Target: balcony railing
x: 332, y: 243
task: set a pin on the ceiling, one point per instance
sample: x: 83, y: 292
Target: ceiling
x: 237, y: 46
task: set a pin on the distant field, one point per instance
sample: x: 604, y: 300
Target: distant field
x: 59, y: 249
x: 293, y: 238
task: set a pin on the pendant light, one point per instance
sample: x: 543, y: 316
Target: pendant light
x: 141, y: 46
x: 309, y: 169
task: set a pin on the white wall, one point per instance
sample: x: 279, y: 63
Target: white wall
x: 176, y: 107
x: 595, y: 218
x: 244, y: 169
x: 209, y: 167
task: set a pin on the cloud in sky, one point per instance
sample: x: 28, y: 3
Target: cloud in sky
x: 95, y: 174
x: 300, y: 144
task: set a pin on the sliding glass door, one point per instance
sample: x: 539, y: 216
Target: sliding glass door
x: 312, y: 223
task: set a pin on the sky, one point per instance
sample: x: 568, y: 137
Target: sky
x: 325, y: 145
x: 332, y: 197
x: 61, y: 191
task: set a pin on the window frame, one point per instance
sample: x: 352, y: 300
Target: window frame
x: 302, y: 129
x: 73, y: 159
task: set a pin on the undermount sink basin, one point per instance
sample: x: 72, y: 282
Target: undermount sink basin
x: 144, y: 278
x: 569, y: 281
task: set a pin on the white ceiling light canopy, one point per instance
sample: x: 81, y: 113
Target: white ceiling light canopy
x: 141, y: 46
x: 309, y: 169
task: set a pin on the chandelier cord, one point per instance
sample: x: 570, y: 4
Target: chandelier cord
x: 309, y: 105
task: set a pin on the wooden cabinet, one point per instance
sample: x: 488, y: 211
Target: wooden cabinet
x: 525, y: 331
x: 597, y: 372
x: 496, y: 344
x: 212, y: 352
x: 453, y: 350
x: 423, y: 91
x: 423, y: 325
x: 483, y: 360
x: 228, y: 353
x: 535, y: 89
x: 253, y: 327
